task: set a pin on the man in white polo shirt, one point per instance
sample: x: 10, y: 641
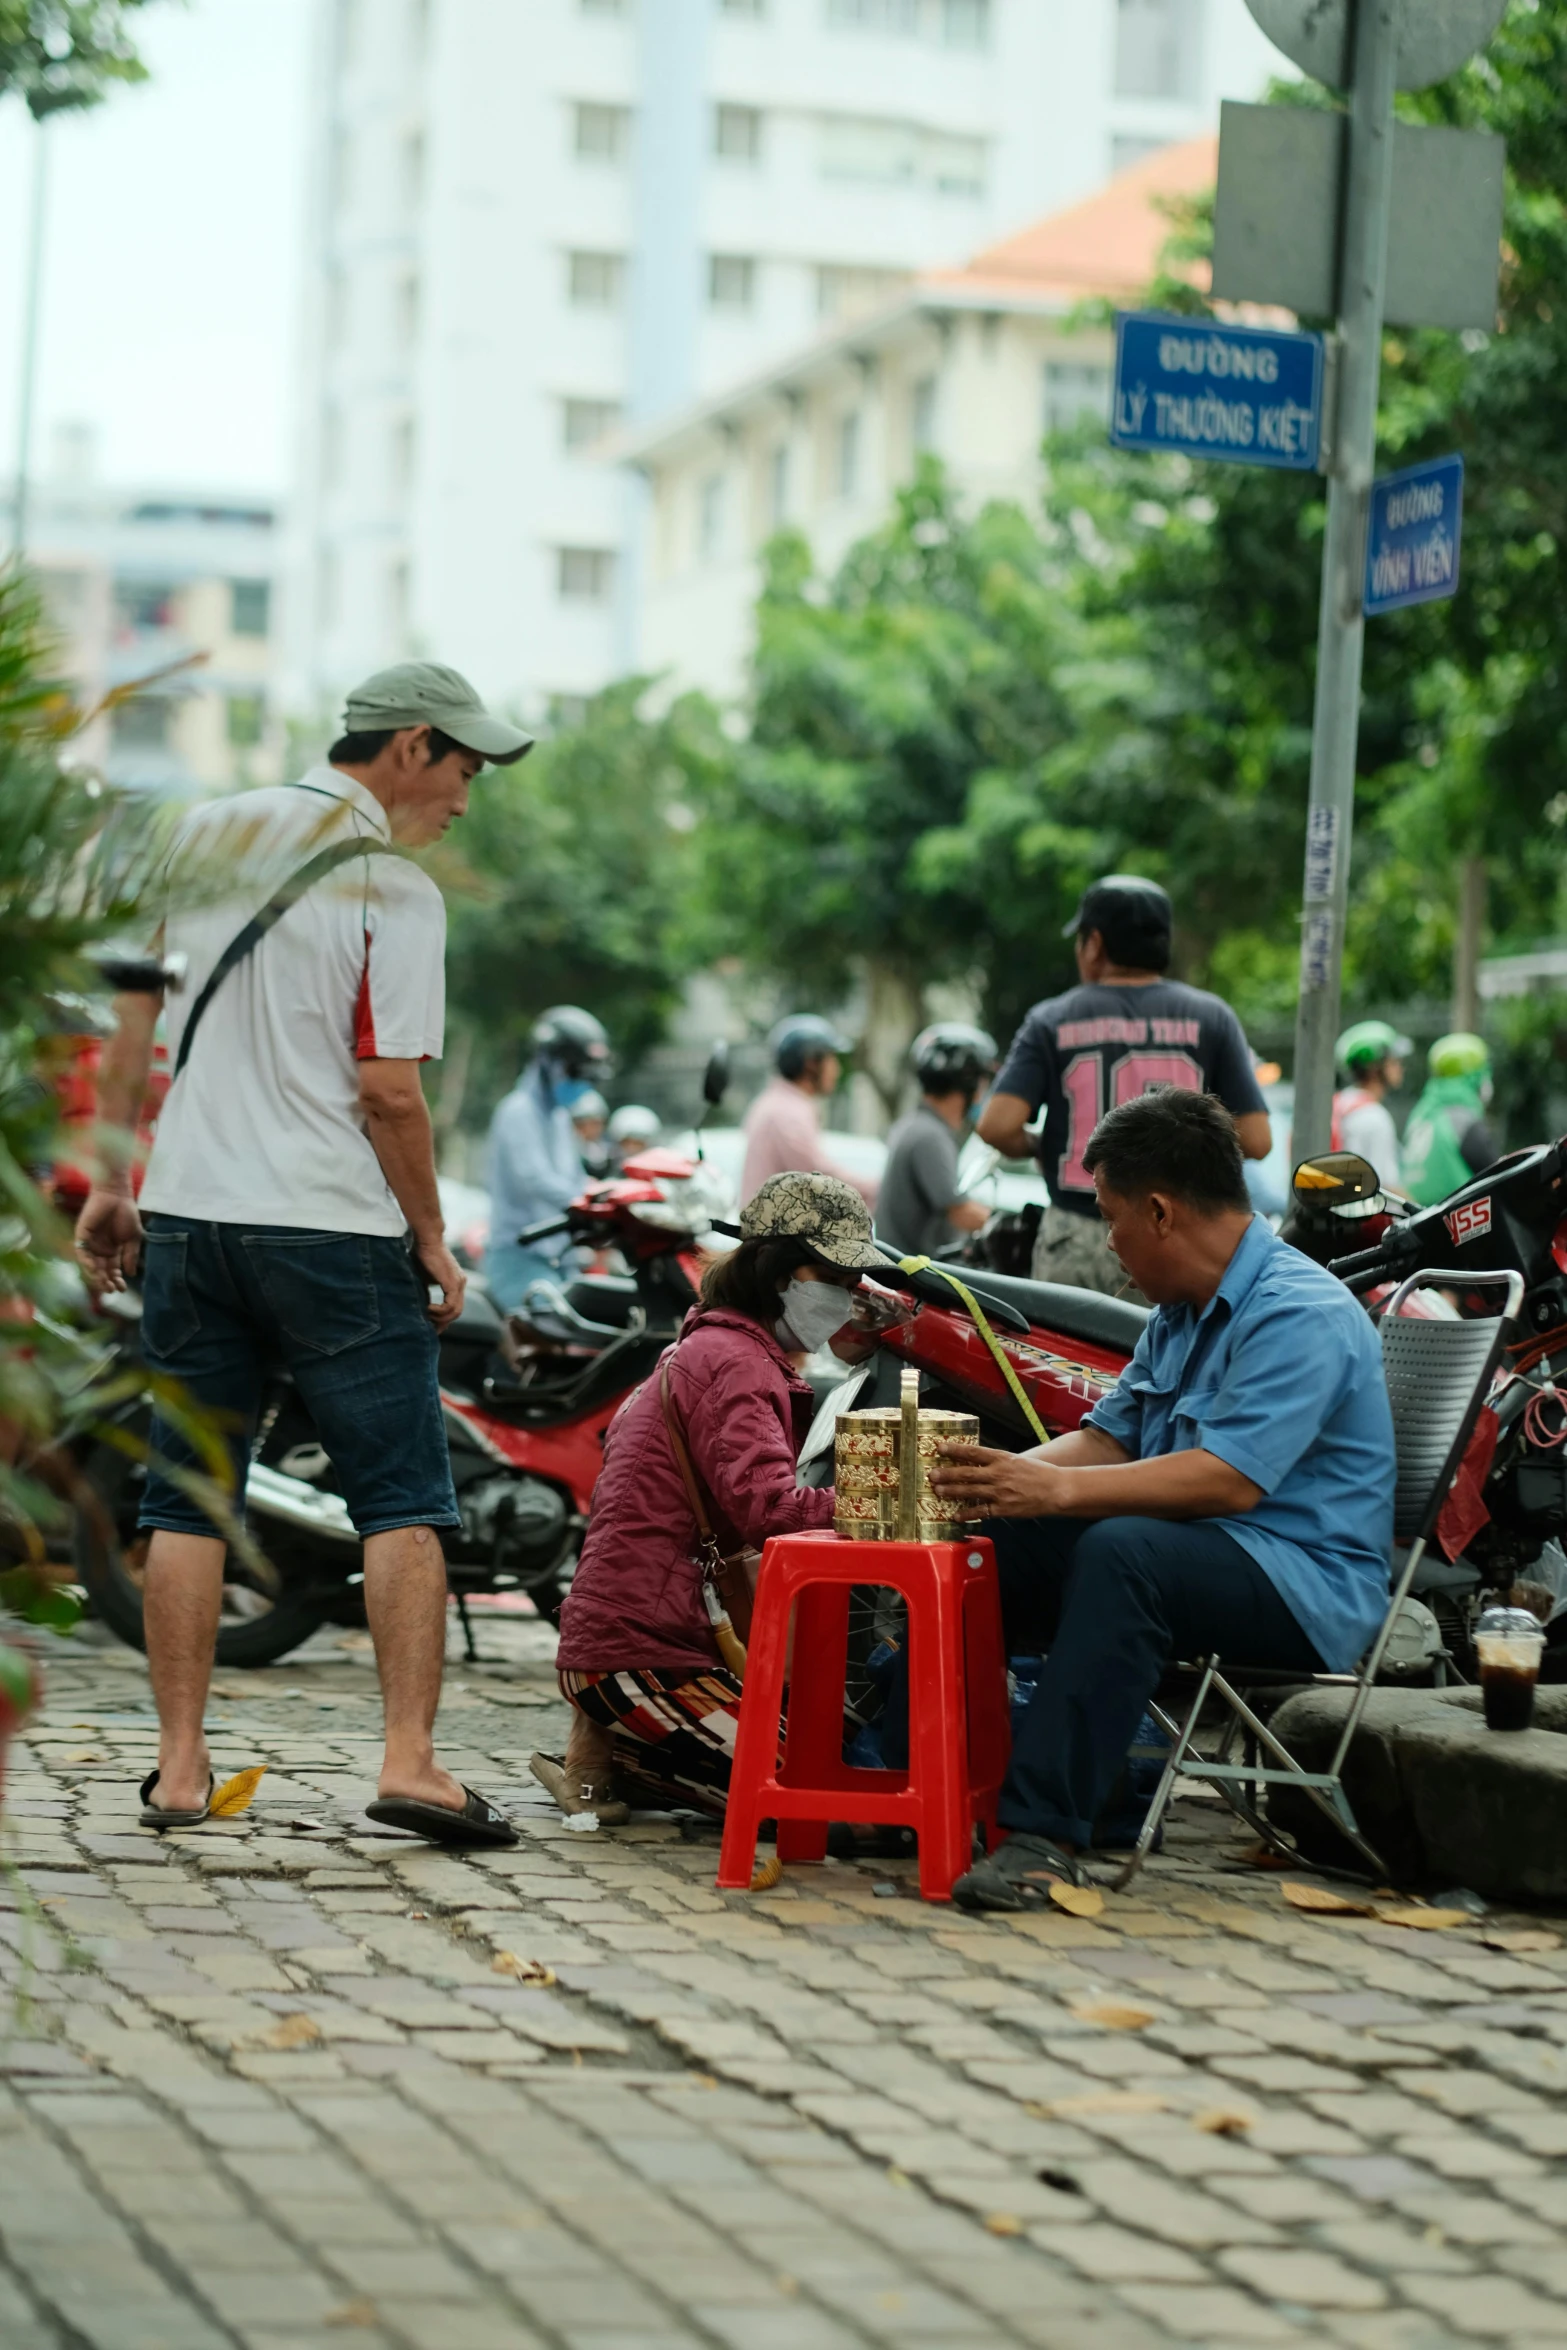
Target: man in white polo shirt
x: 290, y: 1201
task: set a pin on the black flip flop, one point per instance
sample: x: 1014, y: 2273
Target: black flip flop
x: 154, y: 1815
x: 1018, y: 1875
x: 477, y: 1823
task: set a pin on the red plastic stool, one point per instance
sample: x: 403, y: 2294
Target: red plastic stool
x: 959, y: 1736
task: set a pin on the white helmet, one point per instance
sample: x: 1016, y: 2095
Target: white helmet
x: 589, y: 1104
x: 633, y: 1123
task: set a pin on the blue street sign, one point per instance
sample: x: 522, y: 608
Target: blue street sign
x: 1412, y: 541
x: 1242, y: 393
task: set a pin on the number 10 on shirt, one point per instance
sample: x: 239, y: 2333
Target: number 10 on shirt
x: 1082, y: 1081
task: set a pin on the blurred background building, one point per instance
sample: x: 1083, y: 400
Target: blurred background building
x: 969, y: 365
x: 175, y: 585
x: 534, y: 228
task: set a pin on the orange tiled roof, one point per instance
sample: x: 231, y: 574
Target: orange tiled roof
x: 1109, y: 244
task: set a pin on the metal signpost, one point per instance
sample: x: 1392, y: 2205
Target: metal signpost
x: 1324, y: 210
x: 1246, y: 393
x: 1413, y: 536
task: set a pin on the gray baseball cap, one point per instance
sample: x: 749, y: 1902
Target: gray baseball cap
x: 423, y: 693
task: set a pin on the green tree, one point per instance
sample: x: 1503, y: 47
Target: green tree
x: 575, y: 883
x: 63, y: 54
x: 884, y: 706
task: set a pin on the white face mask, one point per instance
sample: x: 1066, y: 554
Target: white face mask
x: 813, y: 1311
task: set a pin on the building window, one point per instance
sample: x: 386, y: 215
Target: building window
x: 412, y: 168
x: 731, y: 281
x: 737, y: 133
x: 848, y: 454
x: 142, y: 604
x: 585, y: 575
x: 586, y: 421
x: 351, y: 29
x: 400, y: 453
x: 408, y: 303
x: 901, y: 154
x: 710, y: 515
x: 594, y: 281
x: 601, y: 134
x: 418, y: 28
x: 778, y: 486
x: 602, y: 7
x: 922, y: 414
x: 844, y: 290
x: 1158, y: 47
x: 956, y: 24
x: 141, y: 724
x: 742, y: 7
x: 250, y: 606
x: 246, y: 718
x: 1074, y: 392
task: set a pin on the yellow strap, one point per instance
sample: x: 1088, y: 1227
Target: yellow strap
x: 1003, y: 1363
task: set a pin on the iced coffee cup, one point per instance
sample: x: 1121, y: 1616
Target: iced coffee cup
x: 1509, y: 1644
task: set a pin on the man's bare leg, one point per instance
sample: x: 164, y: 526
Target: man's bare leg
x: 405, y: 1597
x: 182, y: 1598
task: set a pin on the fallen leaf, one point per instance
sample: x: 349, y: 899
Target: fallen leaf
x: 1414, y: 1913
x: 237, y: 1794
x: 1116, y: 2015
x: 1090, y: 2101
x: 1322, y: 1898
x: 290, y: 2031
x: 361, y: 2312
x: 1079, y: 1901
x: 81, y: 1754
x: 768, y: 1874
x: 1521, y: 1938
x: 526, y: 1970
x: 1264, y: 1856
x: 1003, y: 2223
x: 1223, y: 2121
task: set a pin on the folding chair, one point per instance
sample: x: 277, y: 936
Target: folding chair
x: 1438, y: 1376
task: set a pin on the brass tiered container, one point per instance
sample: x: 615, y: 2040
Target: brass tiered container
x: 876, y: 1500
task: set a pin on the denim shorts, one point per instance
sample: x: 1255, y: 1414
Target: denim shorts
x: 345, y: 1312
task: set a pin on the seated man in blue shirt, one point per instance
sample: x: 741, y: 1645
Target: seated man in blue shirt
x: 1233, y: 1494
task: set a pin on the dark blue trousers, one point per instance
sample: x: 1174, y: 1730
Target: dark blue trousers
x: 1112, y: 1602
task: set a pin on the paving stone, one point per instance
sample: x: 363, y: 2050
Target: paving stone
x: 1315, y: 2279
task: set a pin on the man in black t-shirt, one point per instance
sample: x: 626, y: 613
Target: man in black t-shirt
x: 1125, y: 1030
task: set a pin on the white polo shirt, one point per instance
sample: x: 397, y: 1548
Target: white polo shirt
x: 264, y: 1124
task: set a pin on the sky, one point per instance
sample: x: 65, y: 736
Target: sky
x: 172, y: 253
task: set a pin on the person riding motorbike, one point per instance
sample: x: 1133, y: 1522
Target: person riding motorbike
x: 640, y: 1660
x: 1125, y: 1028
x: 1372, y: 1056
x: 782, y: 1130
x: 918, y: 1209
x: 589, y: 1114
x: 631, y: 1130
x: 1447, y: 1140
x: 535, y: 1168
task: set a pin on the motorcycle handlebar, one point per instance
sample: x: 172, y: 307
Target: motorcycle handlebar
x: 543, y: 1231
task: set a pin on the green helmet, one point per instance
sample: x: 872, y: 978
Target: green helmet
x: 1368, y: 1043
x: 1459, y: 1055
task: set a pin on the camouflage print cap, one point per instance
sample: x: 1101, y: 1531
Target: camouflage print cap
x: 823, y: 1211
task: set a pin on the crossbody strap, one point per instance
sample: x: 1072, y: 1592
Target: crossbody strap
x: 677, y: 1441
x: 304, y: 877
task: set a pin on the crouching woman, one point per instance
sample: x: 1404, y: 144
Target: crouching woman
x: 654, y: 1705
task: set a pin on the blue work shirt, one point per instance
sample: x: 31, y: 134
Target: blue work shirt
x: 1280, y: 1375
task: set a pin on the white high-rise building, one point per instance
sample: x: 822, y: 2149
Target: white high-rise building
x: 535, y: 221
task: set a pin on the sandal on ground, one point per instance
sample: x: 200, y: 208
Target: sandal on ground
x: 478, y: 1822
x: 156, y: 1815
x: 584, y: 1795
x: 1018, y: 1875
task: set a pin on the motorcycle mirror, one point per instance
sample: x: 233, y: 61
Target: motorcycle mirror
x: 715, y: 1077
x: 1335, y: 1179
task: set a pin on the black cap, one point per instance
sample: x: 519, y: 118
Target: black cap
x: 1133, y: 917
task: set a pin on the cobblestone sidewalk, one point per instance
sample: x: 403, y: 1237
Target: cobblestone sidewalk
x: 285, y: 2082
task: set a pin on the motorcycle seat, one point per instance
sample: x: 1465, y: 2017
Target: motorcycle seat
x: 609, y: 1300
x: 1054, y: 1306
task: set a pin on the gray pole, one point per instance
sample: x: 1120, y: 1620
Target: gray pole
x: 29, y: 382
x: 1341, y: 628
